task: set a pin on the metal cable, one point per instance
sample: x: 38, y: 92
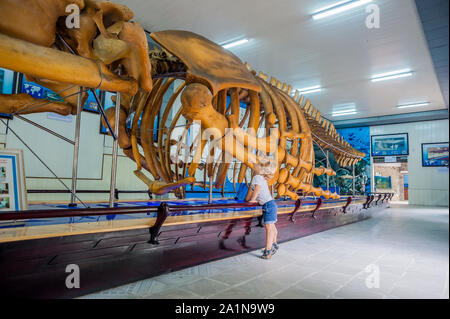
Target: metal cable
x: 43, y: 163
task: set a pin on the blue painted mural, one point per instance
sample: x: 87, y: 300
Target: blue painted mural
x: 359, y: 138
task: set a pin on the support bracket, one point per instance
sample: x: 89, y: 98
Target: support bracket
x: 365, y: 205
x: 298, y: 205
x: 319, y: 204
x: 372, y: 197
x: 349, y: 200
x: 379, y: 198
x: 163, y: 212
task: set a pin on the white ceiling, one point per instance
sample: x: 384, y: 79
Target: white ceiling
x: 339, y: 52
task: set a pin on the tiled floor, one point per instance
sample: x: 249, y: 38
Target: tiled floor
x: 402, y: 253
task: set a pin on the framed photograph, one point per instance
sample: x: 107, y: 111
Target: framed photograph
x: 390, y: 144
x: 13, y: 192
x: 383, y: 182
x: 435, y: 154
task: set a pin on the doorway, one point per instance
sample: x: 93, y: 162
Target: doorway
x: 391, y: 177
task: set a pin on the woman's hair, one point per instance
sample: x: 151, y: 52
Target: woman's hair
x: 265, y: 168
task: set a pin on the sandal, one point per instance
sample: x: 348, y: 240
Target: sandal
x: 268, y: 253
x: 275, y: 248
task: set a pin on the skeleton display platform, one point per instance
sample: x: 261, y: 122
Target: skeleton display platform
x: 134, y: 241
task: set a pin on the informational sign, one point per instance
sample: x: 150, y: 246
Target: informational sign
x: 13, y: 194
x: 390, y: 159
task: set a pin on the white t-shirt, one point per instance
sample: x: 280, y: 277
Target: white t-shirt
x: 264, y: 195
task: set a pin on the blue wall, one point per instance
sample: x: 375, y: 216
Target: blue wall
x: 359, y: 138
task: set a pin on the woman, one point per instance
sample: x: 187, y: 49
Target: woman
x: 259, y: 192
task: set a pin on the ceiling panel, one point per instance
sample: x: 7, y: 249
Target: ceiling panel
x: 340, y: 53
x: 434, y: 17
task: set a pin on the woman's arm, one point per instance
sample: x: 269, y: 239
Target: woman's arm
x: 249, y: 195
x: 254, y: 194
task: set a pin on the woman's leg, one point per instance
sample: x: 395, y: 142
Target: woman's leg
x: 269, y: 236
x: 275, y: 234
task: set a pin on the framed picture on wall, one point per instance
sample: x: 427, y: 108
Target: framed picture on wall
x: 38, y: 91
x: 13, y: 192
x: 383, y: 182
x: 390, y: 144
x: 434, y: 154
x: 91, y: 104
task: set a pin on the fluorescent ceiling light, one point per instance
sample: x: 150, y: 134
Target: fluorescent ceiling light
x: 311, y: 89
x: 344, y: 109
x: 338, y: 8
x: 344, y: 113
x: 235, y: 43
x: 392, y: 75
x: 413, y: 105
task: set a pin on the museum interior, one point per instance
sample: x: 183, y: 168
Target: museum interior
x: 209, y: 149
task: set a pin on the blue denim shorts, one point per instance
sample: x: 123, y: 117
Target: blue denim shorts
x: 270, y: 212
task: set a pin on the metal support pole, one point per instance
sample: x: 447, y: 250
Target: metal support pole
x: 353, y: 179
x: 328, y: 166
x: 114, y: 154
x: 76, y: 147
x: 210, y: 189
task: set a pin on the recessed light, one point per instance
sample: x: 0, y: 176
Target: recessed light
x: 402, y: 106
x: 392, y: 75
x: 338, y: 8
x: 234, y: 43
